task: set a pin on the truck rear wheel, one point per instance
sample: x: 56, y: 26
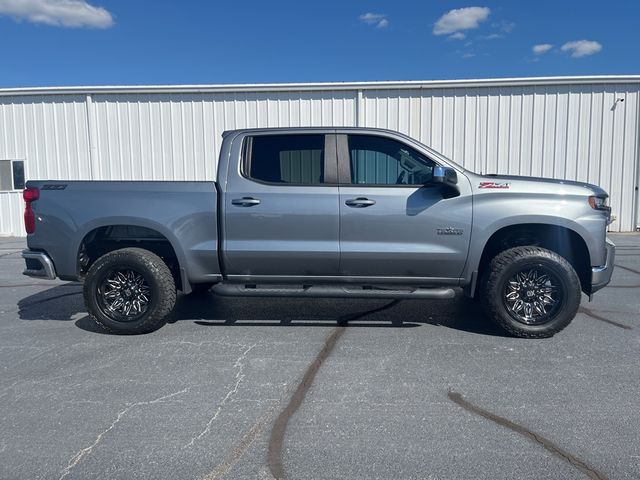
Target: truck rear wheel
x: 130, y: 291
x: 531, y: 292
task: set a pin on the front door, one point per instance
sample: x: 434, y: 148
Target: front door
x: 394, y: 222
x: 281, y: 216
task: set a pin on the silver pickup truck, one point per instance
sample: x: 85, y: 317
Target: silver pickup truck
x: 325, y: 212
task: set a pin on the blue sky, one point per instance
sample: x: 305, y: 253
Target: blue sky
x: 97, y: 42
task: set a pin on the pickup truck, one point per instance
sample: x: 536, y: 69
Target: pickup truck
x: 325, y: 212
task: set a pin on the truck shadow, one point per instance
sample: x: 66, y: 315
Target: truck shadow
x: 65, y: 303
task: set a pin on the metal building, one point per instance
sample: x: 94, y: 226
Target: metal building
x: 582, y: 128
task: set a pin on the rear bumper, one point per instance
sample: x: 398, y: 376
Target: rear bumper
x: 601, y: 276
x: 39, y: 265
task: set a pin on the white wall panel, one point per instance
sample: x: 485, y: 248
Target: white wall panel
x: 11, y: 208
x: 564, y: 130
x: 571, y: 132
x: 178, y: 136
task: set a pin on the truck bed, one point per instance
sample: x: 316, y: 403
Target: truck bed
x: 184, y: 213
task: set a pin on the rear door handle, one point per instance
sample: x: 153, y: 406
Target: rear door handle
x: 360, y: 202
x: 245, y: 202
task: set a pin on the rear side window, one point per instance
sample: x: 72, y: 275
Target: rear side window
x: 293, y: 159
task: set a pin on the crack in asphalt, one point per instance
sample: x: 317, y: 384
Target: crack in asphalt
x: 592, y: 314
x: 239, y: 377
x: 632, y: 270
x: 276, y: 439
x: 243, y: 445
x: 525, y: 432
x: 77, y: 458
x: 9, y: 253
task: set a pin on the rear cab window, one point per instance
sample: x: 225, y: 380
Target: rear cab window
x: 285, y: 159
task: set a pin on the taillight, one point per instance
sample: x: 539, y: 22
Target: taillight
x: 30, y: 195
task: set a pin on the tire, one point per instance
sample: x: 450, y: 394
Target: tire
x: 125, y: 278
x: 516, y: 296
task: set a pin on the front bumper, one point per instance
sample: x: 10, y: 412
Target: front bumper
x: 601, y: 276
x: 39, y: 265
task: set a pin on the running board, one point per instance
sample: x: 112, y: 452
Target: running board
x: 329, y: 291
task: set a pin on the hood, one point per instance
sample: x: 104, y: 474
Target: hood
x: 519, y: 182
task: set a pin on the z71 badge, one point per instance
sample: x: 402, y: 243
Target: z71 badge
x: 494, y: 185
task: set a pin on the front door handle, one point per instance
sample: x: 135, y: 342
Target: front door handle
x: 360, y: 202
x: 245, y: 202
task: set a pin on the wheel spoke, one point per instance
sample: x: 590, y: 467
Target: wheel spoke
x: 532, y: 295
x: 124, y: 294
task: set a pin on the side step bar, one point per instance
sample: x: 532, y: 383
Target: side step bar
x: 329, y: 291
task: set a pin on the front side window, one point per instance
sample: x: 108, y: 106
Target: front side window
x: 293, y: 159
x: 383, y: 161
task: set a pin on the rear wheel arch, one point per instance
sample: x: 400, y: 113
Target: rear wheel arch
x: 110, y: 237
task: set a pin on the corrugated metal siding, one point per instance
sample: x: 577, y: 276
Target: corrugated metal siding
x: 571, y: 132
x: 50, y: 134
x: 178, y: 136
x: 562, y: 131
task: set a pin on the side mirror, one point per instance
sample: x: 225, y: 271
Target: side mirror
x: 445, y: 175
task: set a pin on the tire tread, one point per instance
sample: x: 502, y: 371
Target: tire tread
x: 491, y: 298
x: 161, y: 274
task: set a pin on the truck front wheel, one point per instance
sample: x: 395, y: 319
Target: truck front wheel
x: 129, y: 291
x: 530, y: 292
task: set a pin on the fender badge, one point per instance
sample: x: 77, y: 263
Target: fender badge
x: 494, y: 185
x: 449, y: 231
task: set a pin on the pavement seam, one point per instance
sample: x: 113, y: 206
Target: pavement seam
x: 525, y: 432
x: 590, y: 313
x: 276, y: 439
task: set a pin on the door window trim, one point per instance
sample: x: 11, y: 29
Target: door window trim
x: 330, y: 161
x: 344, y: 163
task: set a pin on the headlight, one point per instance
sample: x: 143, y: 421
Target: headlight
x: 599, y: 203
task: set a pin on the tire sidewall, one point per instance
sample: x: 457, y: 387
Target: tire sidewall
x: 565, y: 286
x: 123, y: 260
x: 493, y: 293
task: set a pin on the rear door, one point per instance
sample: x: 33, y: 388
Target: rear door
x: 393, y: 221
x: 281, y: 214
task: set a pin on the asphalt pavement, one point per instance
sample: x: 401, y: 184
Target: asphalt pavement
x: 315, y: 389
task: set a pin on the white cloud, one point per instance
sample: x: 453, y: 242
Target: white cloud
x: 541, y: 48
x: 379, y: 20
x: 506, y: 26
x: 581, y: 48
x: 457, y: 36
x: 60, y: 13
x: 460, y: 19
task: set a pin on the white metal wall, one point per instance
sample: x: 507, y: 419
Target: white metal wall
x: 50, y: 134
x: 574, y: 131
x: 587, y: 133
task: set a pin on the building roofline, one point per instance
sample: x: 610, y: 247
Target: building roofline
x: 323, y: 86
